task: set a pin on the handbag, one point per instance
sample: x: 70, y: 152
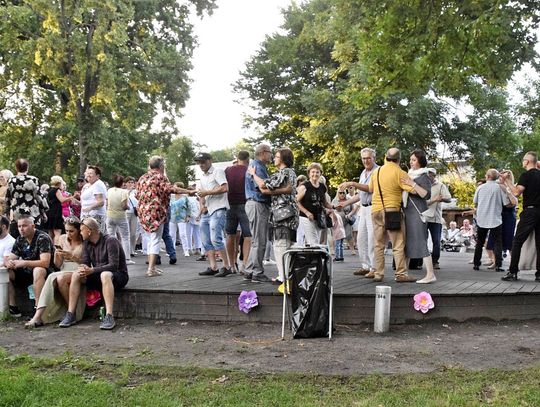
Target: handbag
x: 135, y: 212
x: 421, y: 214
x: 323, y: 220
x: 283, y: 212
x: 392, y: 219
x: 351, y: 220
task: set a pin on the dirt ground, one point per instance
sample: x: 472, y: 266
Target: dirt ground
x: 258, y: 347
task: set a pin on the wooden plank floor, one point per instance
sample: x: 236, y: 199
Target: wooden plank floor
x: 456, y: 277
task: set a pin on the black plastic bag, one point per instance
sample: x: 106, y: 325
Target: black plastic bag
x: 310, y: 294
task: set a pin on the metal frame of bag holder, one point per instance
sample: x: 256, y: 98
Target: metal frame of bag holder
x: 286, y: 264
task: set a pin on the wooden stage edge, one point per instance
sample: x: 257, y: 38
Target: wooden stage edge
x: 349, y: 309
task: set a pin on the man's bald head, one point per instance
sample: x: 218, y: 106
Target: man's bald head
x: 393, y: 154
x: 91, y: 224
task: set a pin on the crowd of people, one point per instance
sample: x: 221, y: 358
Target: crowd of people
x: 62, y: 246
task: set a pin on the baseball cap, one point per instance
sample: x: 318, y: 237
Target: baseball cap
x: 202, y: 157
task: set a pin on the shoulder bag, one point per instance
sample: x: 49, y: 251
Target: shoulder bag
x: 392, y: 219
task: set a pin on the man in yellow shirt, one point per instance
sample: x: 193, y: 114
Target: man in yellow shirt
x: 393, y: 181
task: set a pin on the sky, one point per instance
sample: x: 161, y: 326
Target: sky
x: 227, y: 39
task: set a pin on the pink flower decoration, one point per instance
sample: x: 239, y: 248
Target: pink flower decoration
x: 247, y: 300
x: 92, y: 297
x: 423, y: 302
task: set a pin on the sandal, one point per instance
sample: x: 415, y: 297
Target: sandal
x: 33, y: 324
x: 153, y: 273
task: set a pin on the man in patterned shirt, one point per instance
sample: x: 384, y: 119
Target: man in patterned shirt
x: 30, y: 261
x: 153, y: 195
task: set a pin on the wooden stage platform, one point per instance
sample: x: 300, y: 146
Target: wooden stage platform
x: 459, y: 294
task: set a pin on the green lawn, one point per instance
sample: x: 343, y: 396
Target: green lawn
x: 70, y: 381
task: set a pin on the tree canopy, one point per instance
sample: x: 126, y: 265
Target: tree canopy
x: 84, y: 81
x: 341, y: 75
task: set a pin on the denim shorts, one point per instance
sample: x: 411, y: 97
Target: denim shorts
x: 212, y: 228
x: 237, y: 215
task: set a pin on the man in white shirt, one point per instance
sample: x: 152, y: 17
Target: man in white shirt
x: 6, y: 240
x: 489, y: 200
x: 213, y: 197
x: 439, y: 194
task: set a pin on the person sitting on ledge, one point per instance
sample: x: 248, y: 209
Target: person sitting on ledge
x: 29, y: 262
x: 103, y: 267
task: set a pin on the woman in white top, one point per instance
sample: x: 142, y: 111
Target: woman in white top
x: 117, y: 223
x: 93, y: 197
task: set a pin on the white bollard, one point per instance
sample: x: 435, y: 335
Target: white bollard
x: 4, y: 301
x: 383, y: 293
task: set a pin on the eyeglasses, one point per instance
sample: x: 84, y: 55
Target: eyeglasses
x: 342, y: 193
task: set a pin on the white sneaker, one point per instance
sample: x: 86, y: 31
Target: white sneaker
x: 186, y: 254
x: 130, y: 262
x: 269, y: 263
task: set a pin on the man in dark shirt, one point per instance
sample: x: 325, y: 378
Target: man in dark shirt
x: 529, y: 220
x: 103, y: 267
x: 30, y: 261
x: 236, y: 214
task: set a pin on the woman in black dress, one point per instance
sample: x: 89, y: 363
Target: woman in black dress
x: 55, y: 220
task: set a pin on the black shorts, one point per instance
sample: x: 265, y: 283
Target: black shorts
x: 119, y: 280
x: 24, y: 277
x: 237, y: 215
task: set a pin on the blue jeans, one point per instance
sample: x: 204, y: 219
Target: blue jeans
x: 169, y: 244
x: 339, y: 248
x: 435, y: 230
x: 212, y: 228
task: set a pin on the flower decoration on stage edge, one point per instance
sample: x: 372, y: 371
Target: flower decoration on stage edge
x: 92, y: 297
x: 423, y: 302
x: 247, y: 301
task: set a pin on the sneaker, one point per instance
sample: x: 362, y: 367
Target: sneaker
x: 172, y: 260
x: 246, y: 276
x: 223, y: 272
x: 269, y: 263
x: 202, y: 257
x: 68, y: 320
x: 108, y: 322
x: 208, y: 272
x: 186, y: 254
x: 510, y: 276
x: 260, y: 278
x: 14, y: 311
x: 436, y: 266
x: 130, y: 262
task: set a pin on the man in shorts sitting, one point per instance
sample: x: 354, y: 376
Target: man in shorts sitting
x: 30, y: 261
x: 103, y: 267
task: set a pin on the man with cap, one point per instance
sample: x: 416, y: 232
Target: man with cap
x: 439, y: 194
x: 258, y: 212
x: 103, y: 267
x: 213, y: 200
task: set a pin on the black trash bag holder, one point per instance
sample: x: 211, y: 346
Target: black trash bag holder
x: 286, y: 268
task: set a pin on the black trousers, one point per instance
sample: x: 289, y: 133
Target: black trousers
x: 528, y: 221
x: 497, y: 241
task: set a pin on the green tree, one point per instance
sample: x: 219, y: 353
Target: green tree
x: 179, y: 157
x: 342, y: 75
x: 83, y: 81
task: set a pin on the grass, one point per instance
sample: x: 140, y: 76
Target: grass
x: 70, y: 381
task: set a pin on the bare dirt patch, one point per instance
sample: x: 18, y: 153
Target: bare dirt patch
x: 258, y: 348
